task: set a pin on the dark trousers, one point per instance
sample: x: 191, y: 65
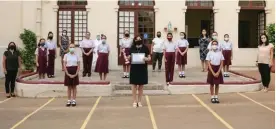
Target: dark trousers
x: 87, y: 61
x: 169, y: 66
x: 10, y: 81
x: 265, y: 74
x: 157, y: 57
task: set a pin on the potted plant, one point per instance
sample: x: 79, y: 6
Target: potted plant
x: 271, y: 36
x: 28, y: 52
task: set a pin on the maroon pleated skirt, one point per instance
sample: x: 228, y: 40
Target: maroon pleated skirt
x: 42, y: 68
x: 102, y: 63
x: 71, y: 81
x: 181, y: 60
x: 227, y: 57
x: 127, y: 51
x: 211, y: 79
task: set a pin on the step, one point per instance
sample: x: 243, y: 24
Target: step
x: 125, y: 86
x: 146, y: 92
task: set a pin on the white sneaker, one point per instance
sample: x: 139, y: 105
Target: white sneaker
x: 140, y: 104
x: 134, y: 105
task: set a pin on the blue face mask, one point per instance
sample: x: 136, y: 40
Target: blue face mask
x: 42, y: 44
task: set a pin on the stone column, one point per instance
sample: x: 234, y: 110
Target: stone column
x: 184, y: 10
x: 269, y: 14
x: 235, y: 39
x: 38, y: 19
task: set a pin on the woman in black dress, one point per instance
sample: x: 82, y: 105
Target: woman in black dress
x: 138, y: 72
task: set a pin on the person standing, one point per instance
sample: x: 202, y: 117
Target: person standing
x: 227, y: 52
x: 138, y: 72
x: 125, y: 44
x: 51, y: 46
x: 215, y: 64
x: 102, y: 61
x: 169, y: 53
x: 71, y: 79
x: 87, y: 47
x: 64, y: 45
x: 11, y: 65
x: 41, y: 58
x: 215, y: 38
x: 157, y: 51
x: 203, y: 44
x: 97, y: 42
x: 182, y: 49
x: 265, y: 60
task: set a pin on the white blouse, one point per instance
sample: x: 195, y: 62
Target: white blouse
x: 227, y: 45
x: 87, y: 43
x: 51, y: 44
x: 71, y: 59
x: 103, y: 48
x: 125, y: 43
x: 215, y: 57
x: 170, y: 46
x: 182, y: 43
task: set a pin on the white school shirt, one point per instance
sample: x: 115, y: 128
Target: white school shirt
x: 126, y: 43
x: 71, y: 59
x: 96, y: 44
x: 215, y: 57
x: 170, y: 46
x: 158, y: 44
x: 227, y: 45
x: 219, y: 45
x: 87, y: 43
x: 103, y: 48
x: 182, y: 43
x: 51, y: 44
x: 36, y: 51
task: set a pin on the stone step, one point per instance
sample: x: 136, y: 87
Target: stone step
x: 146, y: 92
x: 150, y: 86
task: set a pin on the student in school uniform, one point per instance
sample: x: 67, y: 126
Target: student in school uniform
x: 157, y: 51
x: 215, y: 64
x: 228, y: 55
x: 87, y: 47
x: 51, y: 46
x: 215, y: 38
x: 102, y: 61
x: 182, y: 49
x: 125, y: 45
x: 97, y: 42
x: 169, y: 52
x: 71, y: 79
x: 41, y: 58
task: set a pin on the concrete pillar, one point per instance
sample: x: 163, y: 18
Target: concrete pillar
x: 38, y: 19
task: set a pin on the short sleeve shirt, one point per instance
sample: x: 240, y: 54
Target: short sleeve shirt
x: 71, y: 59
x: 227, y: 45
x: 215, y: 57
x: 170, y: 46
x: 182, y: 43
x: 158, y: 44
x: 103, y: 48
x: 87, y: 43
x: 126, y: 43
x: 264, y: 53
x: 51, y: 44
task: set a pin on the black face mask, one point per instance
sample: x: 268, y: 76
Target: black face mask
x: 12, y: 47
x: 127, y: 35
x: 138, y: 42
x: 158, y: 35
x: 51, y: 37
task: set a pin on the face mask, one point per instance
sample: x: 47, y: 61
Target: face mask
x: 103, y: 41
x: 12, y: 47
x: 181, y: 36
x: 138, y: 42
x: 98, y: 37
x: 42, y: 44
x: 127, y: 35
x: 159, y: 35
x: 71, y: 50
x: 226, y: 39
x: 63, y: 33
x: 215, y: 37
x: 214, y: 47
x: 170, y: 39
x: 51, y: 37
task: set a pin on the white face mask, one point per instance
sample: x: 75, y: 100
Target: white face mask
x: 214, y: 47
x: 181, y: 36
x: 226, y: 39
x: 71, y: 50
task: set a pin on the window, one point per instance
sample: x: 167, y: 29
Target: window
x: 72, y: 16
x: 199, y: 4
x: 261, y: 23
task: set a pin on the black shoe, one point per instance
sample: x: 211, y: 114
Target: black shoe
x: 127, y: 76
x: 8, y: 96
x: 183, y: 76
x: 52, y: 76
x: 89, y: 74
x: 124, y: 76
x: 68, y: 104
x: 84, y: 75
x: 73, y: 103
x: 213, y: 100
x: 13, y: 95
x: 180, y: 76
x: 217, y: 100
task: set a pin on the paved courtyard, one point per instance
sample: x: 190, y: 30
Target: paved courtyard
x: 253, y: 110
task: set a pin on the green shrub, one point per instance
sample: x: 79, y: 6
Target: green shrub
x: 28, y: 52
x: 271, y: 34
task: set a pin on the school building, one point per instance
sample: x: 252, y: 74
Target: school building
x: 242, y: 20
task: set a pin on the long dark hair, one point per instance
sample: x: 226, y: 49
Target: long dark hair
x: 10, y: 44
x: 49, y: 34
x: 260, y: 40
x: 201, y: 35
x: 185, y: 37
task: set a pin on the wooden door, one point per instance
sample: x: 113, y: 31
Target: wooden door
x: 244, y: 34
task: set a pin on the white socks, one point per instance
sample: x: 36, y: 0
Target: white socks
x: 126, y: 74
x: 214, y: 96
x: 181, y: 73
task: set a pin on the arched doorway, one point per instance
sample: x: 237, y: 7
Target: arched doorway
x: 252, y: 22
x: 138, y: 17
x: 199, y: 15
x: 72, y: 16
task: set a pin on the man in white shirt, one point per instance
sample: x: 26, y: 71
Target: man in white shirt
x: 215, y: 37
x: 97, y: 41
x: 87, y: 47
x: 157, y: 51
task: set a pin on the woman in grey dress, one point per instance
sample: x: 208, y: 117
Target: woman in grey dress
x: 203, y: 42
x: 64, y: 44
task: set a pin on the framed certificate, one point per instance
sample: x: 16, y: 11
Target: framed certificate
x: 137, y: 58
